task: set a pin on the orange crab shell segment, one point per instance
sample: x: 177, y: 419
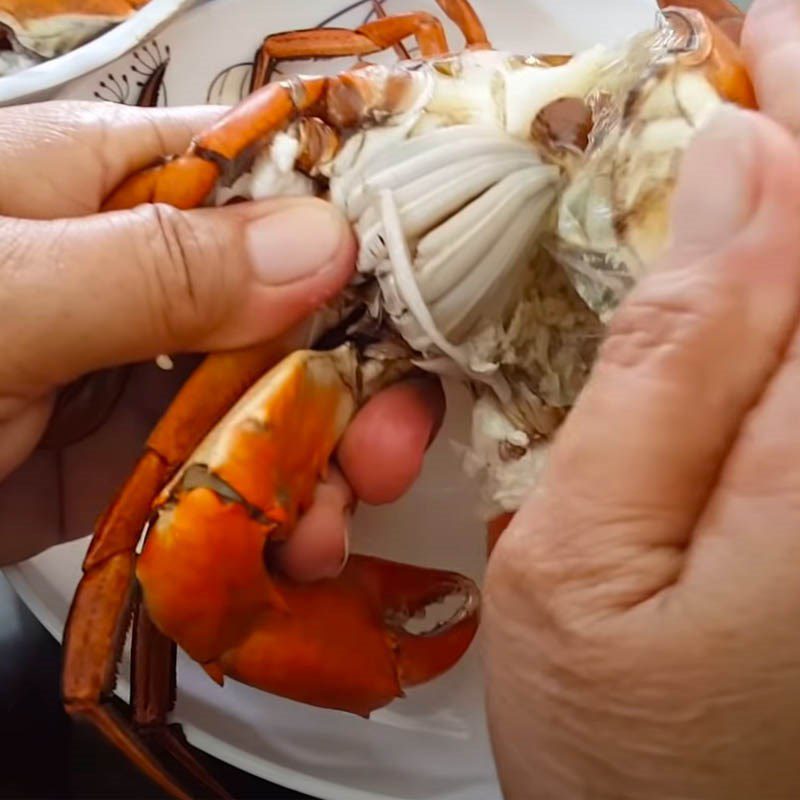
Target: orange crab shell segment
x: 336, y: 648
x: 275, y: 462
x: 202, y: 567
x: 272, y: 447
x: 202, y: 574
x: 183, y: 182
x: 727, y: 70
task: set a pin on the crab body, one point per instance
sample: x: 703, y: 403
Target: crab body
x: 497, y: 234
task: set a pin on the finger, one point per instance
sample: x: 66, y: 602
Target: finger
x: 381, y: 454
x: 771, y: 45
x: 685, y: 360
x: 382, y: 450
x: 748, y: 534
x: 20, y: 429
x: 66, y: 157
x: 318, y: 546
x: 79, y: 295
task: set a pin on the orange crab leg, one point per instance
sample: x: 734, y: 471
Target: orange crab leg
x: 371, y: 38
x: 722, y: 62
x: 153, y: 688
x: 368, y: 39
x: 100, y: 612
x: 468, y: 22
x: 186, y: 181
x: 223, y: 150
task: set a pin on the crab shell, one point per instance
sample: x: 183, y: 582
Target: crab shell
x: 48, y: 28
x: 496, y: 255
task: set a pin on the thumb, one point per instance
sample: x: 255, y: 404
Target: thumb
x: 686, y: 357
x: 83, y: 294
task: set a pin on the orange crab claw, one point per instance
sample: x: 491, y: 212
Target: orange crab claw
x: 339, y: 643
x: 343, y: 643
x: 206, y: 572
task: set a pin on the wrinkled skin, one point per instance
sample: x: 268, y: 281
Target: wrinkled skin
x: 103, y: 290
x: 642, y: 610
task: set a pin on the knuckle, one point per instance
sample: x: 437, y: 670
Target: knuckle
x: 534, y: 568
x: 184, y: 269
x: 575, y: 572
x: 528, y: 598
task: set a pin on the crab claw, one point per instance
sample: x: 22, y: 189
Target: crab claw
x: 344, y: 643
x: 206, y: 572
x: 404, y: 594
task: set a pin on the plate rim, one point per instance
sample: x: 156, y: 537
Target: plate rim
x: 29, y: 83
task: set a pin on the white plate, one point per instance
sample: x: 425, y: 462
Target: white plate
x: 433, y: 743
x: 32, y: 83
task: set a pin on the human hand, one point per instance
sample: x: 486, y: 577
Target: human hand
x: 642, y: 609
x: 82, y: 291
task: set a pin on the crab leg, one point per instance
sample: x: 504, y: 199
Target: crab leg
x: 100, y: 613
x: 468, y: 22
x: 153, y: 686
x: 371, y: 38
x: 224, y: 150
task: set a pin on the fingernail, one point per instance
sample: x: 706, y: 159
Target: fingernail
x: 294, y: 243
x: 717, y: 188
